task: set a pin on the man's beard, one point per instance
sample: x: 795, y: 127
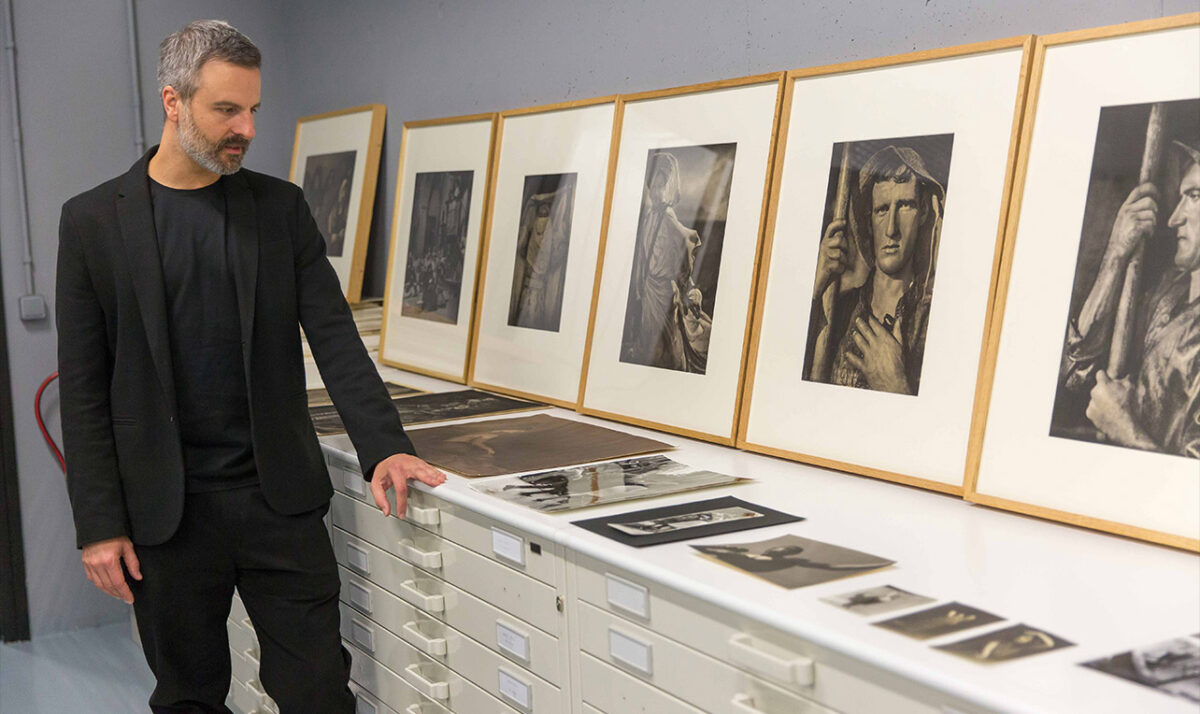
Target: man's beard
x: 208, y: 154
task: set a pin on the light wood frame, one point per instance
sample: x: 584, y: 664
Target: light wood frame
x: 362, y: 232
x: 1001, y: 289
x: 1026, y: 42
x: 493, y: 170
x: 730, y: 438
x: 397, y: 210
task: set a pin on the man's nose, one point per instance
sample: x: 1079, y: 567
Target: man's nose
x: 1176, y: 220
x: 893, y: 228
x: 244, y: 126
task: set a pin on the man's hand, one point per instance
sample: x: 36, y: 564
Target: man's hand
x: 882, y: 361
x: 396, y: 470
x: 1136, y: 220
x: 102, y: 563
x: 1110, y: 409
x: 833, y: 258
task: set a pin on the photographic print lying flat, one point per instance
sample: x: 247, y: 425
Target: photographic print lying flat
x: 1172, y: 666
x: 793, y: 562
x: 1002, y: 645
x: 938, y: 621
x: 685, y: 521
x: 533, y: 443
x: 319, y: 397
x: 877, y: 601
x: 428, y: 408
x: 598, y: 484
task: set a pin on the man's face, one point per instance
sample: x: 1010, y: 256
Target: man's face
x: 896, y: 217
x: 217, y: 123
x: 1186, y: 221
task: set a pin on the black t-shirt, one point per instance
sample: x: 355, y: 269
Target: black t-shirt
x: 205, y: 336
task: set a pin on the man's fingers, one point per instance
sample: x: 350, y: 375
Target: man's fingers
x: 120, y: 587
x: 1102, y: 377
x: 131, y: 562
x: 856, y: 362
x: 861, y: 341
x: 428, y: 475
x: 1142, y: 191
x: 379, y: 486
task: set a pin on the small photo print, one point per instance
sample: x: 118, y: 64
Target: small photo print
x: 1009, y: 643
x: 938, y: 621
x: 877, y: 601
x: 1172, y: 666
x: 793, y: 562
x: 683, y: 521
x: 328, y: 179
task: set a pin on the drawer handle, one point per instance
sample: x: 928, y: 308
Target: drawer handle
x: 430, y: 559
x: 431, y: 689
x: 354, y: 483
x: 423, y: 516
x: 358, y: 559
x: 744, y: 704
x: 363, y: 635
x: 418, y: 708
x: 432, y: 603
x: 435, y: 646
x: 362, y: 706
x: 630, y: 651
x: 795, y: 669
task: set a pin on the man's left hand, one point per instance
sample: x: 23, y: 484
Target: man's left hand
x: 395, y: 471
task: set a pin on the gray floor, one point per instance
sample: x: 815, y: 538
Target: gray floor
x: 98, y: 671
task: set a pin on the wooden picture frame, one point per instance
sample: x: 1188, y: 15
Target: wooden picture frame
x: 430, y: 301
x: 722, y: 134
x: 537, y: 273
x: 952, y: 110
x: 1082, y: 90
x: 335, y: 159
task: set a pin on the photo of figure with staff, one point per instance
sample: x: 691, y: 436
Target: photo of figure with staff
x: 543, y: 238
x: 876, y: 263
x: 677, y: 257
x: 1130, y: 369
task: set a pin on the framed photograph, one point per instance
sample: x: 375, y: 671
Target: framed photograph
x: 685, y: 521
x: 336, y: 161
x: 540, y: 247
x: 433, y: 264
x: 1093, y: 413
x: 679, y: 256
x: 855, y: 356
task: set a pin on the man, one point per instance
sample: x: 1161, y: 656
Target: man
x: 1157, y: 406
x: 877, y: 330
x: 192, y: 465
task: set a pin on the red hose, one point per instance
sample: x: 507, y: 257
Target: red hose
x: 37, y: 408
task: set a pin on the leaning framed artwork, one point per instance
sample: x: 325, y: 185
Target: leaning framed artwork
x: 666, y: 347
x: 854, y: 360
x: 436, y: 226
x: 336, y: 161
x: 1093, y: 413
x: 540, y: 246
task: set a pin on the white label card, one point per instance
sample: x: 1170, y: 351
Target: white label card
x: 514, y: 689
x: 363, y: 635
x: 358, y: 559
x: 512, y: 642
x: 508, y: 546
x: 360, y: 597
x: 629, y: 651
x: 353, y: 482
x: 627, y: 596
x: 362, y: 706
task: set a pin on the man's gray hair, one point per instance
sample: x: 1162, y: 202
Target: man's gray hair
x: 183, y: 53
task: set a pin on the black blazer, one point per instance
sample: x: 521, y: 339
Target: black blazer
x: 125, y: 472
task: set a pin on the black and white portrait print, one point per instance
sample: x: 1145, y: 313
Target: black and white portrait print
x: 677, y: 257
x: 1172, y: 666
x: 544, y: 235
x: 437, y: 244
x: 877, y: 258
x: 1130, y: 369
x: 328, y: 179
x: 1006, y: 644
x: 938, y: 621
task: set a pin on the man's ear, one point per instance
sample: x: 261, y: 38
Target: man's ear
x: 171, y: 102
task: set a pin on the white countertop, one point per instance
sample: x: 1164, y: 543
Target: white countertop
x: 1105, y: 593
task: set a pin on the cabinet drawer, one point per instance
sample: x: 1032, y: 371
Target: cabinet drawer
x: 528, y: 646
x: 430, y: 678
x: 513, y: 547
x: 611, y: 690
x: 818, y: 674
x: 510, y: 684
x: 531, y: 600
x: 375, y: 684
x: 691, y: 676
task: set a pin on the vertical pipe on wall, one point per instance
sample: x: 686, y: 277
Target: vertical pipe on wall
x: 139, y: 139
x: 10, y: 48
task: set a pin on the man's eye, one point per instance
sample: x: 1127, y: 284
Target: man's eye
x: 1193, y: 194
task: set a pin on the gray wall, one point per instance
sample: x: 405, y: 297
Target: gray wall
x: 421, y: 59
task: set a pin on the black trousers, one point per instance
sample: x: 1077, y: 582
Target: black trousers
x: 284, y: 569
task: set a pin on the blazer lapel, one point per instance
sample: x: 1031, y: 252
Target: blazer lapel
x: 135, y: 214
x: 242, y: 227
